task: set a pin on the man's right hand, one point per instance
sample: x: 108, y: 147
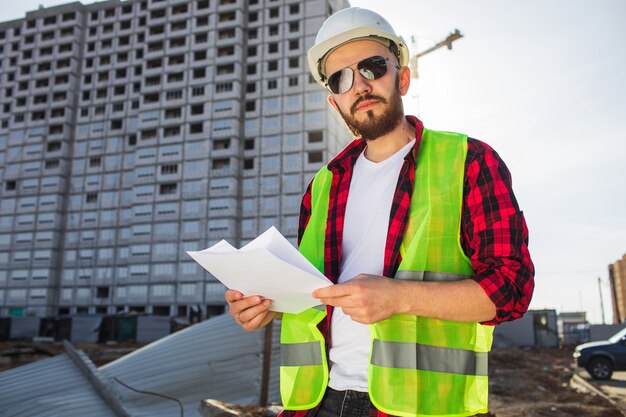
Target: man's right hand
x: 252, y: 312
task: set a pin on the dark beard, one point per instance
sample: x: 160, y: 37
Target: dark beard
x: 375, y: 127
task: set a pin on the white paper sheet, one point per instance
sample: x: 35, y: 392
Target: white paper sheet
x: 268, y: 266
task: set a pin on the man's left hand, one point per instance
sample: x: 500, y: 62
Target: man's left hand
x: 365, y: 298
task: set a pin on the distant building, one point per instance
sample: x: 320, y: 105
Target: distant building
x: 133, y: 131
x: 617, y: 279
x: 573, y: 327
x: 536, y: 328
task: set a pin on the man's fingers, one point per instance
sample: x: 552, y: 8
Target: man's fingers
x: 338, y: 290
x: 256, y: 322
x: 244, y: 303
x: 232, y: 295
x: 248, y: 314
x: 343, y: 301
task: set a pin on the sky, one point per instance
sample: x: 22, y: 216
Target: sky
x: 542, y: 82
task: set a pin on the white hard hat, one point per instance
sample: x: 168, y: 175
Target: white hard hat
x: 348, y: 25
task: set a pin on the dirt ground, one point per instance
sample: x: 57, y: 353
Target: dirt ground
x: 536, y: 383
x: 523, y: 382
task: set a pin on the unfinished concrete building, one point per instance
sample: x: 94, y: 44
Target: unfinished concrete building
x: 133, y: 131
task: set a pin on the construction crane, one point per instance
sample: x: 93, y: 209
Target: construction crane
x: 446, y: 42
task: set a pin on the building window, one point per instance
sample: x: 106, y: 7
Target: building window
x: 173, y: 113
x: 91, y: 198
x: 221, y: 163
x: 102, y: 292
x: 226, y: 51
x: 169, y: 169
x: 226, y: 17
x: 197, y: 109
x: 199, y: 73
x: 202, y: 21
x: 51, y: 163
x: 171, y: 131
x: 201, y: 37
x: 225, y: 69
x: 315, y: 157
x: 168, y: 189
x: 272, y: 84
x: 221, y: 144
x: 174, y: 95
x: 196, y: 128
x: 316, y: 136
x: 223, y: 87
x: 94, y: 162
x: 199, y: 55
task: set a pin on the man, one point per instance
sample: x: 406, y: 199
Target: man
x: 423, y: 237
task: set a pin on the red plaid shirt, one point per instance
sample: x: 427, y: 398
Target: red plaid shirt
x: 493, y: 231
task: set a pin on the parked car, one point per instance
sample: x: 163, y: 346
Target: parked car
x: 601, y: 358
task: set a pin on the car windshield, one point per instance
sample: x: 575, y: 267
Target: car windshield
x: 618, y: 336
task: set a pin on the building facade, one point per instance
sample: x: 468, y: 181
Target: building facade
x: 617, y: 279
x: 134, y: 131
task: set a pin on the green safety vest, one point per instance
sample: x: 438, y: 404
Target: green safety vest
x: 418, y: 366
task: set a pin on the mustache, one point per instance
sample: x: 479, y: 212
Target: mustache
x: 366, y: 97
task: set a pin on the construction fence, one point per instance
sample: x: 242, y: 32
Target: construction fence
x: 89, y: 329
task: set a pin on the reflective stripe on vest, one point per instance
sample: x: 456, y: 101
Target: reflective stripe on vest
x: 429, y: 358
x: 300, y: 354
x: 429, y: 276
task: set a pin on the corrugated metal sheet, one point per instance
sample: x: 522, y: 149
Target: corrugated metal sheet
x: 50, y: 387
x: 24, y: 327
x: 151, y: 328
x: 213, y: 359
x: 85, y: 329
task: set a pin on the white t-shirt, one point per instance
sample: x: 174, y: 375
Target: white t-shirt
x: 372, y: 187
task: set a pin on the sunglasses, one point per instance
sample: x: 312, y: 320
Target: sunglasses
x: 371, y: 68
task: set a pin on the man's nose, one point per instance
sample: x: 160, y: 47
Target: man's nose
x: 360, y: 84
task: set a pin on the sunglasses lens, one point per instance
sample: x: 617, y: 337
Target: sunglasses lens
x: 341, y: 81
x: 371, y: 68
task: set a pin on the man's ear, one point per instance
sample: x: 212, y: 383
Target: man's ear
x: 405, y: 80
x: 331, y: 100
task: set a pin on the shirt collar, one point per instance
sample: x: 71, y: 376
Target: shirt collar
x: 348, y: 156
